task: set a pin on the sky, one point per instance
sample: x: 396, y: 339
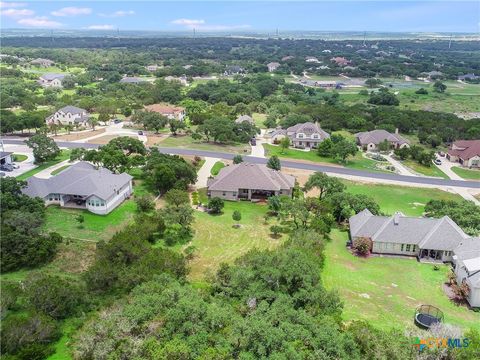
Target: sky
x: 245, y: 16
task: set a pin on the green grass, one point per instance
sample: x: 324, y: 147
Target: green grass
x: 409, y: 200
x: 186, y: 142
x: 56, y: 171
x: 466, y: 173
x: 358, y: 162
x: 386, y: 291
x: 219, y: 165
x: 19, y: 157
x: 258, y: 119
x: 424, y: 170
x: 64, y: 155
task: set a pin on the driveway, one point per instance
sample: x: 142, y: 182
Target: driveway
x: 402, y: 170
x: 204, y: 172
x: 446, y: 167
x: 25, y: 165
x: 258, y: 150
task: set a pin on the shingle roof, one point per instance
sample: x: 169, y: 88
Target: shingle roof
x: 427, y: 233
x: 164, y: 108
x: 132, y: 80
x: 72, y: 110
x: 243, y: 118
x: 250, y: 176
x: 468, y: 248
x: 378, y: 136
x: 308, y: 128
x: 469, y: 149
x: 82, y: 179
x: 4, y: 154
x: 52, y: 76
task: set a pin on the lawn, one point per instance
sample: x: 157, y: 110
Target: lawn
x: 358, y: 162
x: 216, y: 240
x: 64, y: 155
x: 466, y: 173
x: 19, y: 157
x: 56, y: 171
x: 424, y: 170
x: 386, y: 291
x: 409, y: 200
x: 259, y: 119
x: 186, y: 142
x: 219, y: 165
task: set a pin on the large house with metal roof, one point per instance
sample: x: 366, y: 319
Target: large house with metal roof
x: 82, y: 186
x: 69, y: 115
x: 246, y: 181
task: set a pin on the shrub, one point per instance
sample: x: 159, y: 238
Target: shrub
x: 216, y: 205
x: 145, y: 203
x: 361, y: 246
x: 275, y: 230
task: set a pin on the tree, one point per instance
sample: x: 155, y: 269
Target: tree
x: 275, y: 230
x: 362, y: 246
x: 80, y: 219
x: 439, y: 87
x: 274, y: 163
x: 150, y: 120
x: 236, y: 216
x: 373, y: 82
x: 383, y: 97
x: 325, y: 148
x: 325, y: 184
x: 44, y: 148
x: 215, y: 205
x: 237, y: 159
x: 177, y: 197
x: 284, y: 144
x: 343, y: 149
x: 176, y: 125
x: 384, y: 145
x: 402, y: 153
x: 421, y: 91
x: 145, y: 203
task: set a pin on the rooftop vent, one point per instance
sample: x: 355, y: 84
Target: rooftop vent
x: 396, y: 218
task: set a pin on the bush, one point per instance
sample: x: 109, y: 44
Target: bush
x: 275, y: 230
x: 145, y: 203
x: 362, y: 246
x: 216, y: 205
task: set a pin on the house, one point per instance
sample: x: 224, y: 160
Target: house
x: 234, y: 70
x: 182, y: 79
x: 468, y: 77
x: 369, y: 140
x: 272, y: 66
x: 340, y: 61
x: 42, y: 62
x: 465, y: 152
x: 326, y: 51
x: 132, y: 80
x: 244, y: 118
x: 51, y: 80
x: 433, y: 75
x: 311, y: 59
x: 426, y: 238
x: 286, y: 58
x: 152, y: 68
x: 467, y: 268
x: 246, y: 181
x: 69, y: 115
x: 6, y: 158
x: 169, y: 111
x: 305, y: 135
x: 82, y: 186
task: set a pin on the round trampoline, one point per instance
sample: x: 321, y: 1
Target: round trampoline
x: 427, y: 315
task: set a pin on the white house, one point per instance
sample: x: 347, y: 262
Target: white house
x: 272, y: 66
x: 305, y: 135
x: 51, y: 80
x: 69, y: 115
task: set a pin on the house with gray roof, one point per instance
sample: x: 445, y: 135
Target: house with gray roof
x: 244, y: 118
x: 426, y: 238
x: 82, y: 186
x: 304, y: 135
x: 42, y: 62
x: 247, y: 181
x: 370, y: 140
x: 51, y: 80
x: 467, y: 268
x: 272, y: 66
x: 132, y: 80
x: 69, y: 115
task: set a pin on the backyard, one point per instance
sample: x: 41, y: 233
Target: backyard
x: 386, y: 291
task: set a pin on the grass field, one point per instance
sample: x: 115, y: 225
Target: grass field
x: 259, y: 118
x: 186, y: 142
x: 409, y: 200
x: 19, y: 157
x: 357, y: 162
x: 466, y: 173
x: 64, y: 155
x: 219, y: 165
x: 386, y: 291
x: 56, y: 171
x: 424, y: 170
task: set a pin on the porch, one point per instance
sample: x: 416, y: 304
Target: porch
x: 432, y: 256
x: 254, y: 194
x: 73, y: 202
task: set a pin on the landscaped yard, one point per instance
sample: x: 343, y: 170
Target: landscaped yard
x: 219, y: 165
x: 186, y: 142
x: 424, y: 170
x: 19, y: 157
x: 357, y: 162
x: 466, y: 173
x: 385, y: 291
x: 409, y: 200
x: 65, y: 155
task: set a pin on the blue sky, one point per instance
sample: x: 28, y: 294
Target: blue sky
x: 230, y: 16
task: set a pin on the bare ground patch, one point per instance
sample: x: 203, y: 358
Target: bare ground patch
x: 79, y: 135
x: 107, y: 138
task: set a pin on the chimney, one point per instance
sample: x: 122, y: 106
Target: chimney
x: 396, y: 131
x: 396, y: 218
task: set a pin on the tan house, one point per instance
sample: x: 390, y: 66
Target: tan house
x: 273, y: 66
x: 465, y: 152
x: 370, y: 140
x: 304, y: 135
x: 247, y: 181
x: 169, y: 111
x: 69, y: 115
x: 42, y: 62
x: 51, y: 80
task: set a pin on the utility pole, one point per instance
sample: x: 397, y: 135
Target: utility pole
x: 364, y: 38
x: 450, y: 41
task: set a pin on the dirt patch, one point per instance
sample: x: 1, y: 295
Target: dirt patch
x: 79, y: 135
x: 75, y: 257
x: 106, y: 139
x: 155, y: 139
x: 302, y: 177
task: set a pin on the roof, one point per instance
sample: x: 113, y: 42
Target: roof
x: 40, y: 60
x: 243, y: 118
x: 467, y: 149
x: 164, y: 108
x: 427, y: 233
x: 308, y: 128
x: 132, y: 80
x: 72, y: 110
x: 4, y: 154
x: 473, y: 264
x: 378, y: 136
x: 468, y: 248
x: 273, y: 64
x: 82, y: 179
x: 251, y: 176
x: 52, y: 76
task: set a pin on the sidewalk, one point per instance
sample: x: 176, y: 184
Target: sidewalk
x: 402, y: 170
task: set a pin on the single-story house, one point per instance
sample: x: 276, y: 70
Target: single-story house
x: 152, y: 68
x: 51, y: 80
x: 272, y: 66
x: 468, y: 77
x: 181, y: 79
x: 69, y: 115
x: 169, y: 111
x: 244, y: 118
x: 304, y: 135
x: 311, y: 59
x: 82, y: 186
x: 426, y: 238
x: 247, y: 181
x: 132, y: 80
x: 467, y: 268
x: 369, y: 140
x: 288, y: 57
x: 340, y: 61
x: 234, y: 70
x: 42, y: 62
x: 465, y: 152
x: 6, y: 158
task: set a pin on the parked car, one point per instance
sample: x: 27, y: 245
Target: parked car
x: 140, y: 132
x: 15, y: 166
x: 441, y: 153
x: 253, y: 141
x: 116, y: 121
x: 437, y: 162
x: 6, y: 167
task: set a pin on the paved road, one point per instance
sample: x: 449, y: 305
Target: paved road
x: 291, y: 164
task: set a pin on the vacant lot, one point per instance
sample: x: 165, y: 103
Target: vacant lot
x: 386, y: 291
x: 186, y: 142
x: 425, y: 170
x: 107, y: 138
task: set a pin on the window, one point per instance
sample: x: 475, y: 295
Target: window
x: 315, y: 136
x: 234, y: 194
x: 300, y: 136
x: 414, y: 247
x: 401, y: 248
x: 408, y: 247
x: 223, y: 194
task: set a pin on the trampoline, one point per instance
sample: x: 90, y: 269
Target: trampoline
x: 427, y: 315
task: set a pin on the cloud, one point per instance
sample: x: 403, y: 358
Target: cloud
x: 5, y: 5
x: 101, y: 27
x: 39, y: 21
x: 16, y: 13
x: 119, y: 13
x: 188, y: 22
x: 72, y: 11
